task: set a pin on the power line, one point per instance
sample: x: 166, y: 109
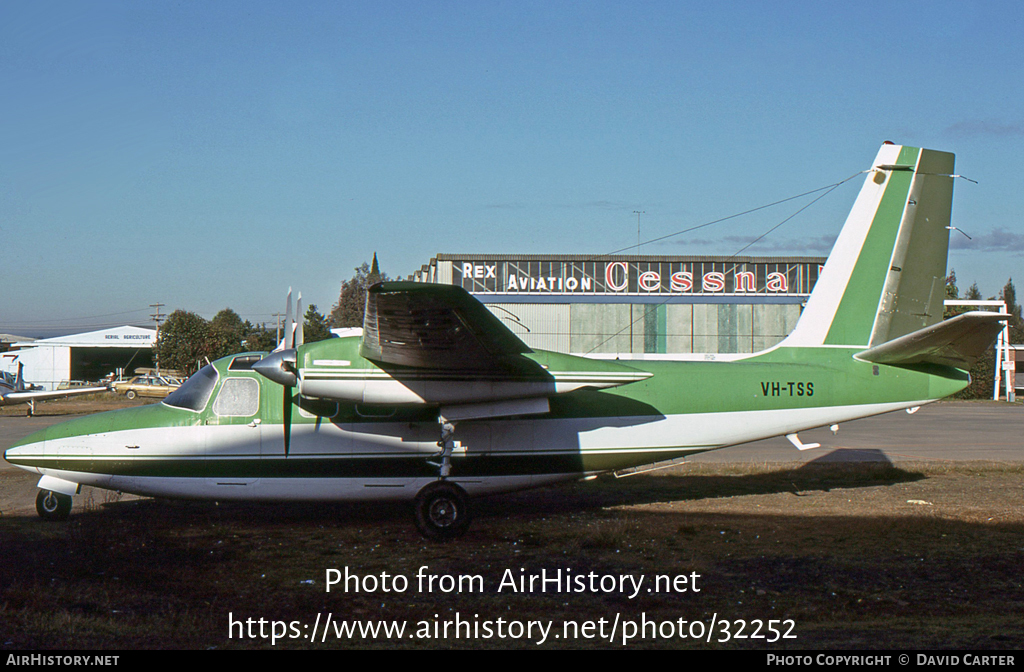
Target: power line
x: 828, y: 189
x: 86, y: 317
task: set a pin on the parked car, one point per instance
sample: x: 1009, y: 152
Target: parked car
x: 147, y: 386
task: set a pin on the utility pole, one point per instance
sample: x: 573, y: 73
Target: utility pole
x: 638, y: 213
x: 157, y: 319
x: 277, y: 317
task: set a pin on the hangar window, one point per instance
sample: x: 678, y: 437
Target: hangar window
x: 238, y: 397
x: 194, y: 392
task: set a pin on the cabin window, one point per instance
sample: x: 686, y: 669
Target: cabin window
x: 194, y: 392
x: 238, y: 397
x: 243, y: 362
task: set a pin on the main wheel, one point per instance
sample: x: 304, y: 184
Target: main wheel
x: 442, y: 511
x: 53, y: 505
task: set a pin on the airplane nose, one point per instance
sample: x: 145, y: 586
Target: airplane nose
x: 22, y: 452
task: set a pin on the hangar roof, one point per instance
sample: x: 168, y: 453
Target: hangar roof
x: 116, y: 337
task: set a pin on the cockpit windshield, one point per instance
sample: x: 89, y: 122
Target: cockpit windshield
x: 194, y: 392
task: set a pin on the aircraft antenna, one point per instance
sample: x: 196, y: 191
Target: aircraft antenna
x: 638, y: 213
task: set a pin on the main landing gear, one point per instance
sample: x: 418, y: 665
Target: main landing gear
x: 442, y: 508
x: 447, y: 445
x: 53, y: 505
x: 442, y: 511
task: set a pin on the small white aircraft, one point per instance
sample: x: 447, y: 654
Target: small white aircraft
x: 436, y: 400
x: 14, y: 391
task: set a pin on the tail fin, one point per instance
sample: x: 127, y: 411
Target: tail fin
x: 886, y: 275
x: 19, y: 381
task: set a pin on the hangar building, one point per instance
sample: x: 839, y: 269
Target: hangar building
x: 55, y: 362
x: 636, y: 303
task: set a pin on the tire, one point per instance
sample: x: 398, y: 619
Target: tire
x: 442, y: 511
x: 130, y: 394
x: 53, y: 505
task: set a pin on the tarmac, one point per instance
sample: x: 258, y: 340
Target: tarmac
x: 958, y: 431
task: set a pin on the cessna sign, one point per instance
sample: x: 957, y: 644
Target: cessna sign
x: 634, y: 275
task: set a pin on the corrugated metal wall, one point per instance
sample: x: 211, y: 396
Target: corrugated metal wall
x: 649, y: 328
x: 539, y: 325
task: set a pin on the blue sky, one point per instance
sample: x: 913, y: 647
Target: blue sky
x: 210, y: 155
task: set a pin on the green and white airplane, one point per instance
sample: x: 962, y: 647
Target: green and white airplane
x: 437, y: 401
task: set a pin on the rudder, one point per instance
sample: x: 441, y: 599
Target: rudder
x: 885, y: 277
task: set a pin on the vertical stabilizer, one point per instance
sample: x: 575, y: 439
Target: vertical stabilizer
x: 19, y: 381
x: 886, y: 274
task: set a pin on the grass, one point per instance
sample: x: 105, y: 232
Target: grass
x: 846, y: 551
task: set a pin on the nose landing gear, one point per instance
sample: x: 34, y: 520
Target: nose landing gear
x: 52, y: 505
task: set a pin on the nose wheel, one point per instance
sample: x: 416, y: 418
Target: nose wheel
x: 52, y: 505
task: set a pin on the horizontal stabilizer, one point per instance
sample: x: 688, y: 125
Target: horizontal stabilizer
x: 958, y: 342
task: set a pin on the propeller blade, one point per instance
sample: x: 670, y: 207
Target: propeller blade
x: 289, y: 323
x: 286, y: 416
x: 281, y: 366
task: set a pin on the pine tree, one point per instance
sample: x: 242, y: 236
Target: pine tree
x: 983, y: 371
x: 348, y: 311
x: 1009, y: 296
x: 315, y: 326
x: 952, y: 292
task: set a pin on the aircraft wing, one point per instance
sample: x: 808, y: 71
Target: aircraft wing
x: 959, y: 341
x: 437, y: 345
x: 436, y: 327
x: 25, y: 397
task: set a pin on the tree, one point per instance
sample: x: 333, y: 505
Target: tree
x: 227, y: 334
x: 348, y: 312
x: 184, y: 342
x: 983, y: 371
x: 261, y: 338
x: 952, y: 292
x: 1009, y: 296
x: 315, y: 326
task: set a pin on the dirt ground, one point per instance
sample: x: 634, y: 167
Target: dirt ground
x: 836, y: 555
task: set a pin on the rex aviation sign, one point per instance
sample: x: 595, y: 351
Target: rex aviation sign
x: 635, y: 275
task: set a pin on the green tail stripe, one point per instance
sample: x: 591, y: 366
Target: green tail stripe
x: 859, y: 305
